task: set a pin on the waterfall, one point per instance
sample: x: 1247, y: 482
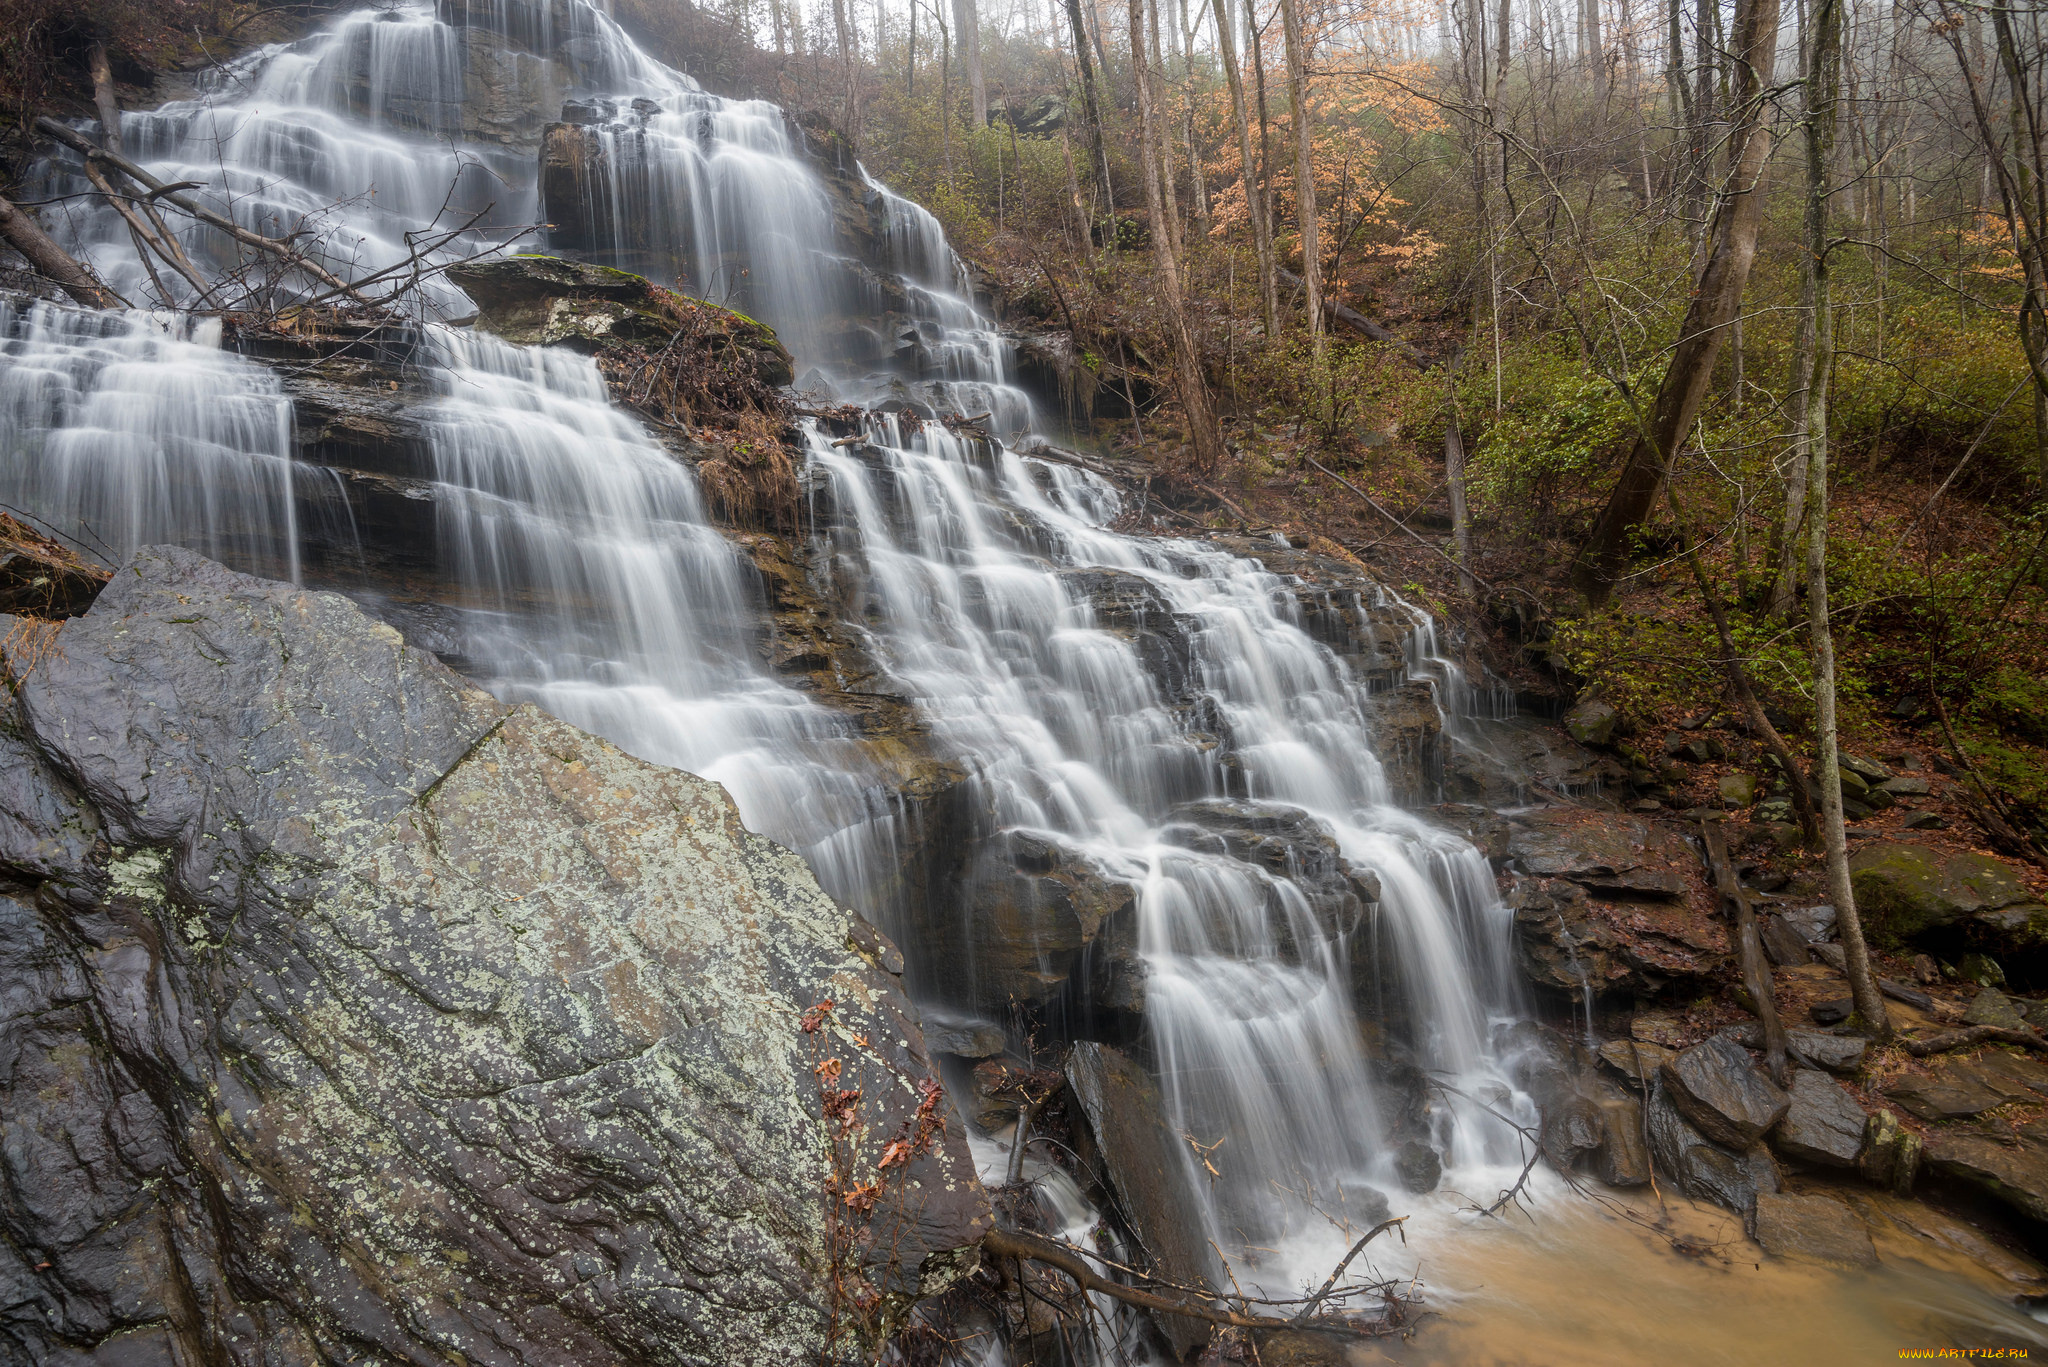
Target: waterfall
x: 582, y: 572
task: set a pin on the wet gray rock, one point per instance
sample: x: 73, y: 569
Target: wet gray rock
x: 1809, y: 1048
x: 1814, y: 924
x: 1992, y: 1007
x: 1834, y: 1053
x: 1823, y: 1125
x: 1786, y: 946
x: 962, y: 1037
x: 1418, y: 1168
x: 1943, y: 1095
x: 1722, y: 1093
x: 2017, y: 1077
x: 1147, y: 1164
x: 1635, y: 1060
x: 1814, y: 1228
x: 1588, y: 1122
x: 349, y: 1014
x: 1703, y: 1169
x: 1041, y: 913
x: 2009, y: 1166
x: 1592, y: 721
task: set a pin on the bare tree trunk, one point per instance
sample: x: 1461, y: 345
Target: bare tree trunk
x: 1255, y: 209
x: 967, y: 29
x: 1461, y: 524
x: 1790, y: 545
x: 1099, y: 163
x: 1265, y: 120
x: 1737, y: 219
x: 1153, y: 76
x: 1199, y: 182
x: 1194, y: 389
x: 1304, y: 173
x: 1824, y: 67
x: 946, y: 98
x: 1589, y: 39
x: 851, y: 117
x: 49, y: 260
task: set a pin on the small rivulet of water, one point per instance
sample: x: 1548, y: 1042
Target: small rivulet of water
x: 579, y: 569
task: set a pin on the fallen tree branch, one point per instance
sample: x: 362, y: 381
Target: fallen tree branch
x: 1016, y: 1243
x: 285, y: 251
x: 1974, y: 1034
x: 1358, y: 322
x: 1756, y: 973
x: 1418, y: 537
x: 49, y: 260
x: 1338, y: 1271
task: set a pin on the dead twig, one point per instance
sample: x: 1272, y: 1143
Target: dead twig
x: 1015, y: 1243
x: 1416, y: 536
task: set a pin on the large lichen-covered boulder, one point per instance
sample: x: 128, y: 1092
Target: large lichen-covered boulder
x: 1922, y: 895
x: 347, y: 1014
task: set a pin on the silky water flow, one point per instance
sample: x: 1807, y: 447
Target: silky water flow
x: 584, y: 574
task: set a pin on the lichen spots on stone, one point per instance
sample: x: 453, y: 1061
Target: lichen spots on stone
x: 489, y: 997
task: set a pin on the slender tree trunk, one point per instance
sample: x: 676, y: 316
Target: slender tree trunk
x: 1095, y: 30
x: 910, y: 62
x: 847, y: 57
x: 1203, y: 437
x: 1790, y: 544
x: 1255, y: 209
x: 1251, y: 28
x: 1198, y: 182
x: 1461, y: 524
x: 1737, y: 219
x: 1822, y: 105
x: 946, y: 97
x: 1304, y: 173
x: 1589, y: 39
x: 1099, y: 163
x: 967, y: 28
x: 1153, y: 79
x: 1679, y: 92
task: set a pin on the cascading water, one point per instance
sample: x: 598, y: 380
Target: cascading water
x: 585, y: 575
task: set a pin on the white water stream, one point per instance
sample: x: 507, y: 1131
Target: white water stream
x: 586, y: 576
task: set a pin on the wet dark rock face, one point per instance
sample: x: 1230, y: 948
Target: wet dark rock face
x: 1132, y: 1148
x: 1601, y: 905
x: 346, y: 1013
x: 1703, y: 1169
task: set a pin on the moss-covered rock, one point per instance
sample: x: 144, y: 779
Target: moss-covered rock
x: 553, y: 301
x: 1920, y: 895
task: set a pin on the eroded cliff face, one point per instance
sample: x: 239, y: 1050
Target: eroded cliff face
x: 347, y: 1014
